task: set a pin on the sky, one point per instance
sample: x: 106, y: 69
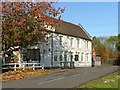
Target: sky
x: 98, y: 18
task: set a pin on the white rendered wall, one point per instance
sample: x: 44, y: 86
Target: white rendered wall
x: 66, y: 47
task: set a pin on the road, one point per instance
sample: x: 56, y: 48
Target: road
x: 67, y: 79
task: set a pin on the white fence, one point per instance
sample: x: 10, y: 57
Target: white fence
x: 23, y: 66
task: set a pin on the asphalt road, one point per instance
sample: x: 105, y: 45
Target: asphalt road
x: 67, y: 79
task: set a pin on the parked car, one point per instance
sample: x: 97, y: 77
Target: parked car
x: 116, y: 62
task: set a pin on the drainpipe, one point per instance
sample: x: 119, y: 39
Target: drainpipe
x: 52, y: 51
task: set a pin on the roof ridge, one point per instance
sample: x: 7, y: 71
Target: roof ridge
x: 70, y: 23
x: 85, y: 31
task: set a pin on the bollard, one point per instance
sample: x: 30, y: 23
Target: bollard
x: 43, y: 66
x: 23, y: 67
x: 33, y: 66
x: 15, y: 67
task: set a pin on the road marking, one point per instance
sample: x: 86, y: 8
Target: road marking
x: 57, y: 79
x: 75, y: 75
x: 51, y: 80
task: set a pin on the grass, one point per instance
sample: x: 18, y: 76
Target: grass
x: 108, y: 81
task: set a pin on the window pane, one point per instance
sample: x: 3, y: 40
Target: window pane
x: 65, y: 56
x: 76, y: 57
x: 71, y: 43
x: 60, y: 57
x: 82, y: 57
x: 60, y: 40
x: 55, y: 58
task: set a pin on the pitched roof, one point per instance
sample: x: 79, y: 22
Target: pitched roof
x: 72, y: 30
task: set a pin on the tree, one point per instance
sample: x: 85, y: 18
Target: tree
x: 111, y: 46
x: 118, y: 43
x: 106, y: 46
x: 24, y: 23
x: 102, y: 50
x: 96, y: 41
x: 118, y: 48
x: 112, y: 41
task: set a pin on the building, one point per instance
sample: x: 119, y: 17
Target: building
x: 69, y: 46
x: 68, y: 43
x: 96, y: 57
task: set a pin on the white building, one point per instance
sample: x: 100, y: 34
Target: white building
x: 69, y: 43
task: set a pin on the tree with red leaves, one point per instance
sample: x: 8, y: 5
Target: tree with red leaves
x: 23, y: 23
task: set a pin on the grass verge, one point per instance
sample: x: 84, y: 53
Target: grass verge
x: 108, y: 81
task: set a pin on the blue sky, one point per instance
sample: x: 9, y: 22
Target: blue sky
x: 98, y: 18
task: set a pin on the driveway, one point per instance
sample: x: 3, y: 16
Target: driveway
x: 67, y: 79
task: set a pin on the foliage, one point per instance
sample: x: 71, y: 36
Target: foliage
x: 106, y: 47
x: 102, y: 50
x: 27, y: 73
x: 24, y: 23
x: 118, y: 44
x: 96, y: 41
x: 118, y: 48
x: 118, y: 55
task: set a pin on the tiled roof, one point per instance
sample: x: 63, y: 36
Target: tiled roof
x: 72, y: 30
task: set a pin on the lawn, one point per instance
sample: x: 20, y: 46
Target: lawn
x: 108, y: 81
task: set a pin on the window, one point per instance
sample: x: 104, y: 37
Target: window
x: 65, y: 56
x: 71, y: 42
x: 76, y: 57
x: 87, y: 44
x: 55, y: 57
x: 82, y: 57
x: 78, y: 43
x: 60, y: 56
x: 70, y: 56
x: 61, y: 40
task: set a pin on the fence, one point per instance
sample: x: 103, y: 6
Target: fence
x: 23, y: 66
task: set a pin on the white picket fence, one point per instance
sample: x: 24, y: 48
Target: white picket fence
x: 22, y: 66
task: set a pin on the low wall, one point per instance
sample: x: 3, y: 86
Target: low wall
x: 97, y: 63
